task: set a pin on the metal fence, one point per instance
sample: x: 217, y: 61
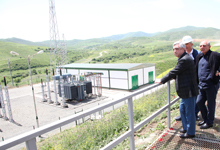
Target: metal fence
x: 30, y: 137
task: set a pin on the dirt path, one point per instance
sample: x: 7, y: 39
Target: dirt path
x: 88, y: 60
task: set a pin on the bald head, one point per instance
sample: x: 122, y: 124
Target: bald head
x: 205, y: 46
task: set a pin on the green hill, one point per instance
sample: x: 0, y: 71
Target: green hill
x: 170, y: 35
x: 155, y: 49
x: 128, y: 35
x: 187, y: 28
x: 196, y: 33
x: 21, y: 41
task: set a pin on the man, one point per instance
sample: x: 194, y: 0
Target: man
x: 186, y: 87
x: 217, y: 74
x: 207, y: 64
x: 188, y: 41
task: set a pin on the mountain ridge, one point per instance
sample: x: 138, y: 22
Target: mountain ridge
x: 169, y: 35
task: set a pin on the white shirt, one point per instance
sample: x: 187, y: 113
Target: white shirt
x: 191, y: 54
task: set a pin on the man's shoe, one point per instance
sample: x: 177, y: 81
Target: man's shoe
x: 185, y: 135
x: 201, y: 123
x: 206, y: 126
x: 182, y: 131
x: 178, y: 118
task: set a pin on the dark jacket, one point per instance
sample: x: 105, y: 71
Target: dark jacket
x: 214, y: 63
x: 185, y: 75
x: 195, y: 53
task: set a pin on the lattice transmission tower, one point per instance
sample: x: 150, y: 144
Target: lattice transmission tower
x: 63, y: 45
x: 58, y: 53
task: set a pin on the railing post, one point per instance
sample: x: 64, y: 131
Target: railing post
x: 131, y: 122
x: 31, y: 144
x: 168, y: 102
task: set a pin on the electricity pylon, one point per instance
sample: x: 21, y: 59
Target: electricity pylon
x: 57, y: 52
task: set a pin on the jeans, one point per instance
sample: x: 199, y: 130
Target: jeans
x: 187, y: 112
x: 209, y: 94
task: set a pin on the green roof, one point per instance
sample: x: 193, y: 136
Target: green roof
x: 121, y: 67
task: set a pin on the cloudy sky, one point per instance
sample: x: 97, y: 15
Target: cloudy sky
x: 84, y: 19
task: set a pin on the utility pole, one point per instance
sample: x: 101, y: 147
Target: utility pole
x: 10, y: 72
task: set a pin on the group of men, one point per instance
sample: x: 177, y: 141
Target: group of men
x: 197, y: 81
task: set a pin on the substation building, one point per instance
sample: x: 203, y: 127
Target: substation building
x: 126, y: 76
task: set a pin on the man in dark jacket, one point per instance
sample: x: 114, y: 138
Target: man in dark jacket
x: 207, y: 64
x: 186, y: 87
x: 188, y: 41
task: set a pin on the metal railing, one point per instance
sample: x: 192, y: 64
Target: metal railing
x: 30, y: 137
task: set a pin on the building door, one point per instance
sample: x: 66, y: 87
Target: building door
x: 151, y: 77
x: 134, y: 80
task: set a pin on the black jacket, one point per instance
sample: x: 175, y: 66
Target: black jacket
x: 185, y: 75
x: 195, y: 53
x: 214, y: 63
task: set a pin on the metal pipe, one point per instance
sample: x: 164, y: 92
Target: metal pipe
x: 63, y: 104
x: 168, y: 102
x: 3, y: 104
x: 8, y: 102
x: 55, y: 89
x: 42, y: 88
x: 35, y: 108
x: 48, y: 88
x: 10, y: 72
x: 131, y: 122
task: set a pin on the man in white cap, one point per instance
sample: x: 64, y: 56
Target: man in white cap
x: 188, y: 41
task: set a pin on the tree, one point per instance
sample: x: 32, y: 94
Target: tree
x: 34, y: 71
x: 18, y: 80
x: 106, y: 61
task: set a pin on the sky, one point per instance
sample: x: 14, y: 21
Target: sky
x: 85, y: 19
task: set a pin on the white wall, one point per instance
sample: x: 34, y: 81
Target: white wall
x: 73, y: 71
x: 118, y: 79
x: 118, y: 74
x: 105, y: 82
x: 104, y: 77
x: 138, y: 72
x: 105, y: 72
x: 146, y: 71
x: 119, y: 83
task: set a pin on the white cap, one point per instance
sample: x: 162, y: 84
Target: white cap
x: 187, y: 39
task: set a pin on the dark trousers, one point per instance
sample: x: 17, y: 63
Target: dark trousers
x: 209, y: 94
x: 196, y: 109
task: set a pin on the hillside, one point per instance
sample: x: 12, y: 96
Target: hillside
x: 128, y: 35
x: 196, y: 33
x: 187, y: 28
x: 141, y: 48
x: 39, y: 63
x: 170, y: 35
x: 25, y: 42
